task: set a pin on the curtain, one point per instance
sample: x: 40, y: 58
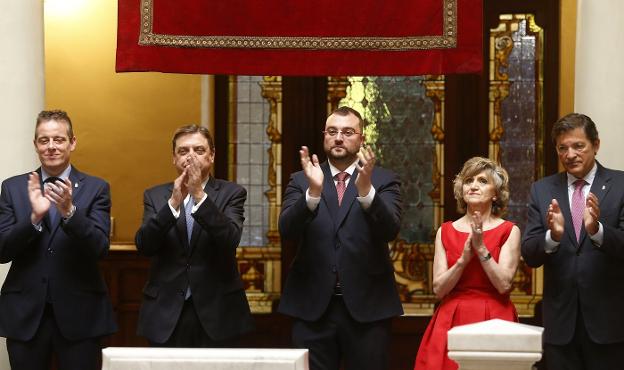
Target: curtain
x: 321, y: 37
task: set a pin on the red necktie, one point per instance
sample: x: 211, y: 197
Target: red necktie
x: 578, y: 207
x: 340, y: 185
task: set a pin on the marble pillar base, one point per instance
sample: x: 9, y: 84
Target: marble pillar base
x: 495, y: 345
x: 133, y: 358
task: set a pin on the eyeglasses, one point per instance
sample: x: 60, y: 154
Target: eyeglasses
x: 348, y: 132
x: 576, y: 147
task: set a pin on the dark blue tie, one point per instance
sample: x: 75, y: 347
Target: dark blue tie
x: 52, y: 212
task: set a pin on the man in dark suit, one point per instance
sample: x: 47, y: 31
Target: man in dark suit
x: 576, y: 231
x: 191, y: 228
x: 54, y: 299
x: 342, y: 214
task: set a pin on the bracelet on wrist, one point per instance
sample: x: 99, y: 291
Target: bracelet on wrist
x: 486, y: 257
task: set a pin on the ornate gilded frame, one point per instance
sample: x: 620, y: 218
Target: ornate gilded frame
x: 528, y: 283
x: 448, y: 39
x: 261, y: 266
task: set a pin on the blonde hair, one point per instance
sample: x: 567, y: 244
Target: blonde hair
x: 496, y: 172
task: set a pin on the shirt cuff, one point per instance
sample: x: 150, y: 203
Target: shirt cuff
x: 176, y: 213
x: 367, y: 200
x: 312, y: 202
x: 198, y: 204
x: 598, y: 237
x: 70, y: 215
x: 550, y: 246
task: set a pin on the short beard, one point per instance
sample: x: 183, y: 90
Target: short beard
x: 345, y: 159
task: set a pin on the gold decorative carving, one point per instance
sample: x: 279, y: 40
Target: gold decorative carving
x: 260, y: 267
x: 336, y: 91
x: 527, y: 284
x: 272, y: 91
x: 434, y: 86
x: 447, y: 40
x: 231, y: 127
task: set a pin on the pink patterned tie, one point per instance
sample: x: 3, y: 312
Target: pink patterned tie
x: 578, y: 207
x: 340, y: 185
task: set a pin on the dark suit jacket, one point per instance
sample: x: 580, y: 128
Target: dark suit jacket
x: 59, y: 263
x: 348, y: 242
x: 580, y: 273
x: 209, y: 264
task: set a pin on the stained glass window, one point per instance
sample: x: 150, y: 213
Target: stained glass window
x: 252, y: 115
x: 399, y: 117
x: 519, y: 40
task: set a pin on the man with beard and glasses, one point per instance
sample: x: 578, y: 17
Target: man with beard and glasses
x: 576, y: 231
x: 341, y: 214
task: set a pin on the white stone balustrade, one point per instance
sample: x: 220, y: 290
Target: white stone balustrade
x: 129, y: 358
x: 495, y: 345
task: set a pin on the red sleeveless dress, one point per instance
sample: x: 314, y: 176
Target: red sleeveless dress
x: 473, y: 299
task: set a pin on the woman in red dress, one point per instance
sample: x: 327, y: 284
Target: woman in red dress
x: 475, y: 261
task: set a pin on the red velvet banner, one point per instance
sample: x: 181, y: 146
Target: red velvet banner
x: 321, y: 37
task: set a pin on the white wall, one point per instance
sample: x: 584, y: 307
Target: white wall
x: 599, y: 81
x: 21, y: 93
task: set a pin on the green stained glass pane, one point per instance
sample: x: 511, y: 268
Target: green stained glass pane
x: 399, y: 117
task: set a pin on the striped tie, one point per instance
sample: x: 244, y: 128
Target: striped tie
x: 188, y: 207
x: 341, y: 177
x: 578, y: 207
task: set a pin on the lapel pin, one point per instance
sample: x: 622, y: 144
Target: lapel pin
x: 603, y: 187
x: 76, y: 185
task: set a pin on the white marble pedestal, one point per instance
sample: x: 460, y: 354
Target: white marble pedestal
x: 133, y: 358
x: 495, y: 345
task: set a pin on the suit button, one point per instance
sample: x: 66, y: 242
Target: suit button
x: 182, y: 293
x: 333, y: 268
x: 337, y: 245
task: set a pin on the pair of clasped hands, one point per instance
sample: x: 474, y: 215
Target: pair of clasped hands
x: 315, y: 176
x: 188, y: 182
x: 58, y: 193
x: 474, y: 243
x: 556, y: 222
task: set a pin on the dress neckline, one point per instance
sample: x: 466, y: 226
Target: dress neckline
x: 467, y: 232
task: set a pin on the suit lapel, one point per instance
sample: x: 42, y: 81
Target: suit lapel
x: 77, y: 178
x: 329, y: 195
x: 560, y: 192
x: 600, y: 187
x: 180, y: 224
x: 212, y: 191
x: 46, y: 218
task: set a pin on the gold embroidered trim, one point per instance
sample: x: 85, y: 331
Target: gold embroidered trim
x: 445, y: 41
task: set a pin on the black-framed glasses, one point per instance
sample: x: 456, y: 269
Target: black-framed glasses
x: 347, y: 132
